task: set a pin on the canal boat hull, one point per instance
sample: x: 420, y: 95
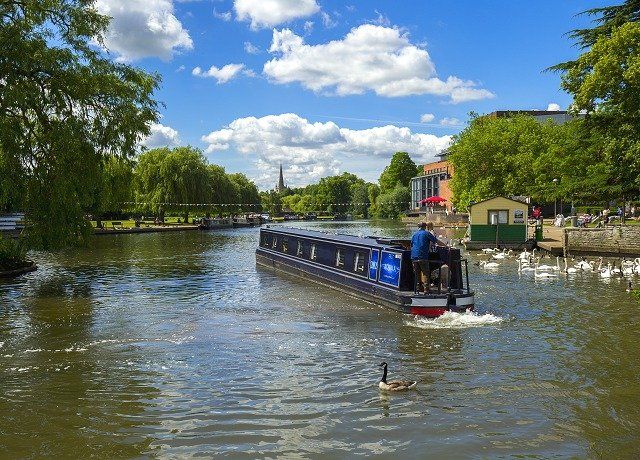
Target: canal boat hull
x: 406, y: 301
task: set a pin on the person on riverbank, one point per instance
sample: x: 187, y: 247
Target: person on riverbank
x: 423, y: 255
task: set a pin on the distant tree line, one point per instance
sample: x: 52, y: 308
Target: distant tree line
x: 348, y: 194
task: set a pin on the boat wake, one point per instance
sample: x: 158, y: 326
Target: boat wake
x: 453, y: 320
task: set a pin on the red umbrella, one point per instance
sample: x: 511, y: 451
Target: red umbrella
x: 432, y: 200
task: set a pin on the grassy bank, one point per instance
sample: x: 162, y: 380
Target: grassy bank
x: 12, y: 254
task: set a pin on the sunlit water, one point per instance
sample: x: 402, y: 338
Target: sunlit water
x: 175, y: 345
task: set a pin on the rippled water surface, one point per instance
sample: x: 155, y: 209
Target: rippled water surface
x: 175, y: 345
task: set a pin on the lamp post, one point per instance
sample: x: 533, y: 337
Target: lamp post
x: 555, y: 199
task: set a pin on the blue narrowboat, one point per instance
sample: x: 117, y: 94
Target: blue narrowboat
x: 378, y: 270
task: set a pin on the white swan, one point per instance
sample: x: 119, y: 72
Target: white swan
x: 543, y: 274
x: 584, y: 265
x: 485, y: 264
x: 502, y: 255
x: 549, y: 267
x: 569, y: 270
x: 522, y: 267
x: 606, y: 272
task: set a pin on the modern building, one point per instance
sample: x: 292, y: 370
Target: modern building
x: 434, y: 181
x: 558, y: 117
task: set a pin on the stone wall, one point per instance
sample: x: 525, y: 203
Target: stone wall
x: 623, y: 241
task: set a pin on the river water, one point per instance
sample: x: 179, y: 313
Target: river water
x: 176, y: 345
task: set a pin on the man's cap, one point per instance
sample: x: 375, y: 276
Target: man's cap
x: 422, y: 225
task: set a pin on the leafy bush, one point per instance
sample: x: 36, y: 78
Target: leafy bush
x: 12, y: 254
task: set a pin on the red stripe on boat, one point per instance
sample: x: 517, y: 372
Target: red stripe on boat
x: 431, y: 312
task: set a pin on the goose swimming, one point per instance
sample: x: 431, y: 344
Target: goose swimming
x: 394, y: 385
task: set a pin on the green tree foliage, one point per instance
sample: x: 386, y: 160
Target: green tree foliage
x: 178, y: 176
x: 519, y: 156
x: 360, y: 199
x: 394, y: 203
x: 400, y: 171
x: 223, y: 190
x: 246, y: 192
x: 334, y: 192
x: 606, y: 20
x: 373, y: 190
x: 605, y: 82
x: 271, y: 202
x: 63, y: 107
x: 117, y: 186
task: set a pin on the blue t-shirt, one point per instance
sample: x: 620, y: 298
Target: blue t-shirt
x: 421, y: 244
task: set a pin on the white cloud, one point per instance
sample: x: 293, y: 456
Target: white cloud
x: 251, y: 48
x: 327, y: 20
x: 226, y: 16
x: 427, y: 118
x: 381, y: 20
x: 143, y: 28
x: 308, y: 27
x: 270, y: 13
x: 161, y: 136
x: 446, y: 121
x: 553, y: 107
x: 181, y: 69
x: 369, y: 58
x: 222, y: 75
x: 310, y: 151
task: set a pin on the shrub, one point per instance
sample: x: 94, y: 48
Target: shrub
x: 12, y: 254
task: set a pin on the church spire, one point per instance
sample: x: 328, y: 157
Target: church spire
x: 280, y: 186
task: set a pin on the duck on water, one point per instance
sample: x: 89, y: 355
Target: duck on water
x: 394, y: 385
x: 378, y: 270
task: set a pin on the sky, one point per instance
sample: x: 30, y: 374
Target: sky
x: 328, y: 86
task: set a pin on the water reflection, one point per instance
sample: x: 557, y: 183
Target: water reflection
x: 175, y: 345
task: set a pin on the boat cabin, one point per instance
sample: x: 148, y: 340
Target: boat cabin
x: 378, y: 267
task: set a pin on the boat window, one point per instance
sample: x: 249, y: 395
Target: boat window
x: 358, y: 264
x: 313, y: 255
x: 275, y: 242
x: 285, y: 246
x: 265, y: 240
x: 299, y: 249
x: 339, y: 258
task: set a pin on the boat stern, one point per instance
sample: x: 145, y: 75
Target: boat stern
x: 434, y: 305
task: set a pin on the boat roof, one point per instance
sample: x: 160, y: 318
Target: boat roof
x: 370, y: 241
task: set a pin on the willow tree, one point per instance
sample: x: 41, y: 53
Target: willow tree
x: 64, y: 106
x: 172, y: 179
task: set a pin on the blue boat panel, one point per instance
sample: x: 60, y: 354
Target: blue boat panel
x: 390, y: 267
x: 373, y: 264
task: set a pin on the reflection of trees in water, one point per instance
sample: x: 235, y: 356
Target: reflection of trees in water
x: 63, y: 396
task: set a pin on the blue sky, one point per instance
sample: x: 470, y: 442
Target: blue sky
x: 325, y: 86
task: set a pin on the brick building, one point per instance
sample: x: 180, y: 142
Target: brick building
x: 434, y: 181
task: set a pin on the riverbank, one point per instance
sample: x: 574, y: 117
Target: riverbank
x: 147, y: 229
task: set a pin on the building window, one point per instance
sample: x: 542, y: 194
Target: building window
x: 275, y: 243
x: 299, y: 249
x: 498, y: 217
x: 313, y: 255
x: 339, y: 258
x: 285, y: 246
x: 358, y: 265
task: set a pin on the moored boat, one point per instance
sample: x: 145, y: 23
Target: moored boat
x: 375, y: 269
